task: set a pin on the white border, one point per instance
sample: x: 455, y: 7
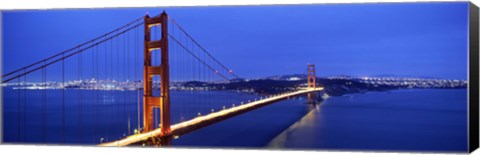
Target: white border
x: 82, y: 150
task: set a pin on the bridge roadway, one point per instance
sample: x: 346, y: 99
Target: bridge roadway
x: 205, y: 120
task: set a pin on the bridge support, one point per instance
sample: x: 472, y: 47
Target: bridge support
x: 311, y: 76
x: 150, y: 101
x: 311, y: 83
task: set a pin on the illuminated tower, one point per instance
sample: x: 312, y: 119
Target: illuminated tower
x: 312, y: 83
x: 311, y: 76
x: 151, y: 101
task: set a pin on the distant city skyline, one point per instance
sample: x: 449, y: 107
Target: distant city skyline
x: 404, y: 39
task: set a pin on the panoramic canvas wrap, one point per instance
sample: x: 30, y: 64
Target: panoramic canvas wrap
x: 373, y: 76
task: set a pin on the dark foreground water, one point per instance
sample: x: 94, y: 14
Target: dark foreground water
x: 417, y: 119
x: 420, y: 120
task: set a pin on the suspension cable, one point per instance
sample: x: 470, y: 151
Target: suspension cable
x: 67, y: 56
x: 71, y: 49
x: 201, y: 47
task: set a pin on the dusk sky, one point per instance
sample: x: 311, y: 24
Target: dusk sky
x: 404, y: 39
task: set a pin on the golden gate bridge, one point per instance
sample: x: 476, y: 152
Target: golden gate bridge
x: 110, y: 64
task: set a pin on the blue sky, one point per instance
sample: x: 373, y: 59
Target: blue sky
x: 405, y: 39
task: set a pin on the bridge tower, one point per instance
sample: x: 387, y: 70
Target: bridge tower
x: 311, y: 76
x: 150, y: 101
x: 311, y: 83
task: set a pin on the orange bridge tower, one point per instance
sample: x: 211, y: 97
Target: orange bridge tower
x: 151, y: 101
x: 311, y: 76
x: 311, y: 83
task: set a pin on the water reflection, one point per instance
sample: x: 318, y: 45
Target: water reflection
x: 281, y: 140
x: 412, y: 119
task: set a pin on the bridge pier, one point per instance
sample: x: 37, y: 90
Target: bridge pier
x: 166, y: 141
x: 159, y: 141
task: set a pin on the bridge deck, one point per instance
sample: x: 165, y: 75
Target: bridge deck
x: 202, y: 121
